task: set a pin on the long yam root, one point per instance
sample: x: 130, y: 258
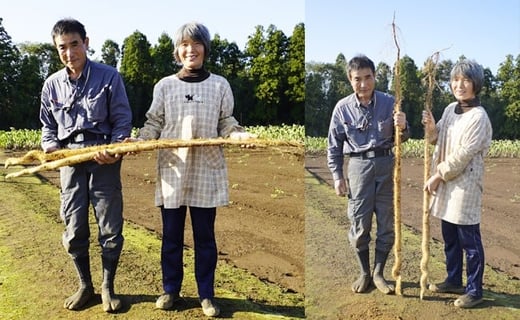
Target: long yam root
x: 425, y: 249
x: 396, y: 269
x: 68, y: 157
x: 430, y: 71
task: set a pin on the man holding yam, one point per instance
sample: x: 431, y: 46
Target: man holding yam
x: 85, y: 104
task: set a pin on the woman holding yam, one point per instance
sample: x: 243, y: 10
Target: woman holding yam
x: 191, y: 104
x: 462, y: 138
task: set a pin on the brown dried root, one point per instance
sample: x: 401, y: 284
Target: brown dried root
x: 396, y: 269
x: 429, y: 70
x: 42, y: 157
x: 68, y: 157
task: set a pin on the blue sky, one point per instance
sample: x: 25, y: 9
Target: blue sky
x: 483, y: 30
x: 32, y: 20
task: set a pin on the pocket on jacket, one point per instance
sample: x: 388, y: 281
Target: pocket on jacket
x: 385, y: 128
x: 64, y: 114
x: 96, y: 106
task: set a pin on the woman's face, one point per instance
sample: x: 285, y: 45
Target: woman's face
x: 462, y: 88
x: 191, y: 53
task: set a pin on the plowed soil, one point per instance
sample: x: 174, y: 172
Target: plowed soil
x: 262, y: 230
x: 331, y: 266
x: 501, y: 205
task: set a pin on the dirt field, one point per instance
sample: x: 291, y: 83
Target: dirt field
x: 286, y: 226
x: 330, y: 264
x: 262, y: 230
x: 501, y: 206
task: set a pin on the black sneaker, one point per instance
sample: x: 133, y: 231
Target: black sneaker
x: 446, y: 287
x: 467, y: 301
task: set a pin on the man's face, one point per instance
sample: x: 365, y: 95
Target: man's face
x: 72, y: 50
x: 363, y: 82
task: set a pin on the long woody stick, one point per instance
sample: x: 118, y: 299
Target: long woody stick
x: 430, y: 70
x: 396, y: 269
x: 67, y: 157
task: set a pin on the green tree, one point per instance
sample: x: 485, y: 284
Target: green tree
x: 316, y: 106
x: 266, y: 56
x: 442, y: 95
x: 163, y: 59
x: 46, y: 54
x: 340, y: 84
x: 325, y: 85
x: 226, y: 59
x: 296, y: 75
x: 110, y: 53
x: 411, y: 94
x: 243, y: 91
x: 137, y: 72
x: 383, y: 76
x: 508, y: 78
x: 491, y: 101
x: 8, y: 72
x: 29, y: 82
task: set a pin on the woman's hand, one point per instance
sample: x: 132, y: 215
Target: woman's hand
x: 432, y: 184
x: 428, y: 120
x: 243, y: 136
x: 235, y: 135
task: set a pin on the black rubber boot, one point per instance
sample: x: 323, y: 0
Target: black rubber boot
x: 363, y: 282
x: 378, y: 277
x: 110, y: 302
x: 86, y: 290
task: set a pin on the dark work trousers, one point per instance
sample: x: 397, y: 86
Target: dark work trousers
x: 100, y: 185
x: 203, y: 226
x: 370, y: 191
x: 456, y: 239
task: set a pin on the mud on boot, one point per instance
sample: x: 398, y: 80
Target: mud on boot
x: 382, y: 285
x: 110, y: 301
x: 363, y: 282
x: 80, y: 298
x: 378, y: 278
x: 86, y: 290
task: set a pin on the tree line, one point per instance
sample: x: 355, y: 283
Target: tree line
x: 271, y: 82
x: 267, y: 77
x: 327, y: 83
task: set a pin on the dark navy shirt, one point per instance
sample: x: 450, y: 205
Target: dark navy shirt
x: 95, y: 102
